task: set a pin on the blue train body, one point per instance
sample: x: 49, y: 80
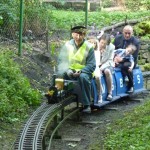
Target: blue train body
x: 119, y: 88
x: 62, y: 88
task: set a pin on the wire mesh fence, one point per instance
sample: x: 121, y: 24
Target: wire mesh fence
x: 43, y: 23
x: 9, y: 23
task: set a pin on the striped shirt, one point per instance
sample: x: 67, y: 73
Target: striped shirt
x: 126, y: 57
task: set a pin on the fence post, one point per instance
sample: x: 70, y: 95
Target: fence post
x: 86, y: 13
x: 20, y: 28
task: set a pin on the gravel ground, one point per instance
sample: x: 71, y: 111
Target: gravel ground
x: 77, y: 135
x: 90, y: 131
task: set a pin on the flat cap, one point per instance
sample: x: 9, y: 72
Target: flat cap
x: 81, y: 29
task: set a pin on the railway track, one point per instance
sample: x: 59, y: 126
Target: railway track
x: 32, y: 135
x: 38, y: 130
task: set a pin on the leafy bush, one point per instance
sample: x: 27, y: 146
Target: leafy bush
x: 9, y: 17
x: 142, y: 29
x: 107, y: 3
x: 138, y: 4
x: 16, y: 93
x: 146, y: 67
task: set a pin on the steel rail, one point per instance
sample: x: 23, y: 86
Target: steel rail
x: 35, y: 144
x: 31, y: 137
x: 26, y: 127
x: 60, y: 123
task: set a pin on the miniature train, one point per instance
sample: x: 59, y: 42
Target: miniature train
x: 62, y: 88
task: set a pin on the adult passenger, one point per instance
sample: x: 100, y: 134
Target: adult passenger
x: 78, y: 62
x: 127, y: 38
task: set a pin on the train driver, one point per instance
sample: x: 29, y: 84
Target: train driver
x: 77, y: 61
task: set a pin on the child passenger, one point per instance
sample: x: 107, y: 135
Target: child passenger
x: 97, y: 73
x: 104, y: 54
x: 124, y: 60
x: 106, y: 64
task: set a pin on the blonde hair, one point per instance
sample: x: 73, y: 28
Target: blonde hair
x: 95, y: 41
x: 133, y: 47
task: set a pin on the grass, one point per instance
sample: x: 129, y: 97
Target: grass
x: 62, y: 19
x: 131, y: 132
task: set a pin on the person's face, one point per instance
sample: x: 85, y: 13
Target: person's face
x: 78, y: 37
x: 128, y: 50
x: 127, y: 33
x: 102, y: 44
x: 93, y: 42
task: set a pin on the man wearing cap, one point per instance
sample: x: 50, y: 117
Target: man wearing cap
x: 77, y: 61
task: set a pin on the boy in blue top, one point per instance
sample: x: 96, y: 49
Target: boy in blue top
x: 124, y: 60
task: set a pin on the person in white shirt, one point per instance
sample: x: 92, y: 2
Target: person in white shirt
x: 106, y: 64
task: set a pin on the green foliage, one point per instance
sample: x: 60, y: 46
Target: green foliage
x: 107, y: 3
x: 62, y: 19
x: 36, y: 16
x: 1, y: 20
x: 27, y: 47
x: 142, y: 29
x: 131, y: 132
x: 138, y: 4
x: 53, y: 48
x: 146, y: 67
x: 8, y: 13
x: 146, y: 37
x: 16, y: 95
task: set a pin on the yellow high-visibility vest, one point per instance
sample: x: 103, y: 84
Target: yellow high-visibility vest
x: 77, y: 59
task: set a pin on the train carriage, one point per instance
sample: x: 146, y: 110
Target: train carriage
x: 120, y: 88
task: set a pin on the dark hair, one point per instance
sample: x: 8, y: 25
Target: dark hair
x: 105, y: 37
x: 79, y: 29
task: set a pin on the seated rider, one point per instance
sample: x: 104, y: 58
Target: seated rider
x: 126, y: 38
x: 124, y: 60
x: 97, y: 74
x: 77, y: 61
x: 106, y: 63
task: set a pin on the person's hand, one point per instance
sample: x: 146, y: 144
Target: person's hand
x: 70, y: 73
x: 130, y: 69
x: 100, y: 65
x: 118, y: 59
x: 76, y: 74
